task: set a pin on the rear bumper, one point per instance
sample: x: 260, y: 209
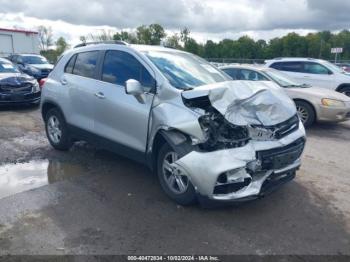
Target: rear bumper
x: 10, y: 99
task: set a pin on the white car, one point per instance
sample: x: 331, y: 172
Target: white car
x: 206, y: 137
x: 312, y: 103
x: 314, y: 72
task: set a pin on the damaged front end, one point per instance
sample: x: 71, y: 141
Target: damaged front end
x: 251, y: 140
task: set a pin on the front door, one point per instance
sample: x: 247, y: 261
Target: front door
x: 120, y: 117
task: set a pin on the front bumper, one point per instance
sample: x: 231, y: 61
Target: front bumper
x: 250, y: 171
x: 19, y: 98
x: 333, y: 114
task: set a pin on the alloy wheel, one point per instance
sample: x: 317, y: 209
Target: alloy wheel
x: 54, y: 129
x: 176, y: 182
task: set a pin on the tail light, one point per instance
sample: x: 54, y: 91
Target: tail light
x: 42, y: 82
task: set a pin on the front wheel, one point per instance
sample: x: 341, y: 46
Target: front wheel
x: 305, y: 112
x: 176, y: 185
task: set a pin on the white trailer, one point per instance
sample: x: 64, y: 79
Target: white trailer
x: 16, y: 41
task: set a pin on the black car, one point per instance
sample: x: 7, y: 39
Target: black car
x: 17, y: 87
x: 33, y: 65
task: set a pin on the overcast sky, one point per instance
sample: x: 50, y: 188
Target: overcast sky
x: 207, y: 19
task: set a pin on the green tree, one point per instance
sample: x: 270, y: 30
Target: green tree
x: 61, y: 45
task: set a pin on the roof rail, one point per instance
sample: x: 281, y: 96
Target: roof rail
x: 116, y: 42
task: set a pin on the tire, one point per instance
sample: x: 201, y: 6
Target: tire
x: 56, y: 130
x: 345, y: 91
x: 306, y: 113
x: 182, y: 195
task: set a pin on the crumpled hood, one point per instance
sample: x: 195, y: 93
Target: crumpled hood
x: 15, y: 79
x: 247, y: 102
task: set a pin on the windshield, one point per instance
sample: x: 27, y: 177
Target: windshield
x: 34, y: 60
x: 282, y: 79
x: 7, y: 68
x: 185, y: 71
x: 333, y: 67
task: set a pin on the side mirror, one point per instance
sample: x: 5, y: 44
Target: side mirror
x: 133, y: 87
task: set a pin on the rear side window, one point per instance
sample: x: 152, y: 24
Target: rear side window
x: 119, y: 66
x: 85, y: 64
x: 288, y: 66
x: 232, y: 72
x: 70, y: 65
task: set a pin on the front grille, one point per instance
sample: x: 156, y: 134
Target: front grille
x: 281, y: 157
x: 9, y: 89
x: 285, y: 128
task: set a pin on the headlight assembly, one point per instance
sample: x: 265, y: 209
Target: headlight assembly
x: 332, y: 102
x: 36, y: 87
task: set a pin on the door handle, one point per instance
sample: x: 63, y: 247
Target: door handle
x: 100, y: 95
x: 64, y: 81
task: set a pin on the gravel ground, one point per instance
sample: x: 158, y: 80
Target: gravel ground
x: 88, y: 201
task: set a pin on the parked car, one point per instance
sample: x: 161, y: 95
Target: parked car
x: 17, y: 87
x: 33, y: 65
x: 315, y: 72
x: 207, y: 137
x: 312, y: 103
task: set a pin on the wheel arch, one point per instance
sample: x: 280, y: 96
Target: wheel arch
x: 48, y: 105
x: 340, y: 87
x: 307, y: 102
x: 173, y: 137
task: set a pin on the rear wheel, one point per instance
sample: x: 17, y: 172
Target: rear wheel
x: 305, y: 112
x: 56, y: 130
x: 176, y: 185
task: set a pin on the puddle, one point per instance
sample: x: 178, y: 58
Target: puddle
x: 20, y: 177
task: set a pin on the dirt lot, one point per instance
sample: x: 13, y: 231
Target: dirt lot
x: 93, y: 202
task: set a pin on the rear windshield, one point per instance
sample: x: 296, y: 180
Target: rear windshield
x: 34, y: 60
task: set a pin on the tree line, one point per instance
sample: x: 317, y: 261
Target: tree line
x: 316, y: 45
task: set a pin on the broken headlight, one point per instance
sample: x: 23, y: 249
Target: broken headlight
x: 220, y: 133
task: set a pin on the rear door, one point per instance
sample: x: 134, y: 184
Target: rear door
x: 294, y: 69
x: 80, y: 78
x: 120, y: 117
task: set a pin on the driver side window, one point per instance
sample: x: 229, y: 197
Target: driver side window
x: 315, y: 68
x: 119, y: 66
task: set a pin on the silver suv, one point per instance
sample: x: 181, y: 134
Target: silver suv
x: 205, y: 136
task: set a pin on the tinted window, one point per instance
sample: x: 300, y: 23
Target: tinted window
x: 288, y: 66
x: 35, y: 59
x: 85, y: 64
x: 70, y: 65
x: 232, y: 72
x: 315, y: 68
x: 119, y: 66
x: 251, y: 75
